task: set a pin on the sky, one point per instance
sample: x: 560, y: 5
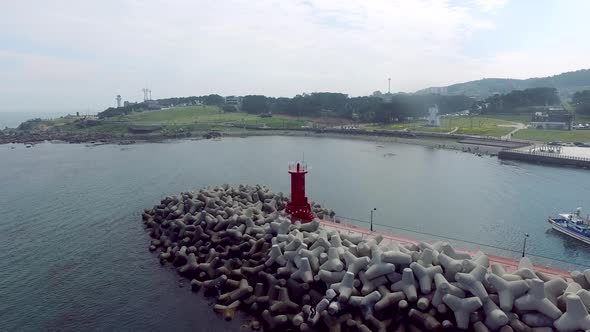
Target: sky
x: 78, y: 55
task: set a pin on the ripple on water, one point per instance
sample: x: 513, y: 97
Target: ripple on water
x: 73, y: 253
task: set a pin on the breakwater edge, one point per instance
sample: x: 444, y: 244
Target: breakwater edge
x: 238, y: 243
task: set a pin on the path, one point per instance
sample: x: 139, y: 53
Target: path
x: 509, y: 263
x: 453, y: 131
x: 517, y: 126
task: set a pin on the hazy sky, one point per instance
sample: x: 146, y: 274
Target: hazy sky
x: 77, y: 55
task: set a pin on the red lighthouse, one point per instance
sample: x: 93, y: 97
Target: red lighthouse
x: 299, y: 207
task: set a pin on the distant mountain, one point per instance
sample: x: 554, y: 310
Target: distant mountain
x: 566, y: 84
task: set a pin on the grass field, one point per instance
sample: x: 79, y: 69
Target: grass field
x: 472, y: 122
x: 475, y: 125
x: 522, y: 118
x: 201, y: 116
x: 543, y: 135
x: 493, y: 131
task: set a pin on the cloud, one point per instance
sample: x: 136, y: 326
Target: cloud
x: 489, y: 5
x: 280, y: 48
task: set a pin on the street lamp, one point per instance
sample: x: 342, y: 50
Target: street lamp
x: 526, y: 235
x: 374, y: 209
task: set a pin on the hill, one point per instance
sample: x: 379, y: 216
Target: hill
x: 565, y: 83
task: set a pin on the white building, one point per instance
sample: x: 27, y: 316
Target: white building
x: 233, y: 100
x: 433, y: 117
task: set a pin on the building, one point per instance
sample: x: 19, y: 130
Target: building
x: 129, y: 103
x: 553, y: 118
x: 153, y: 105
x: 234, y: 101
x: 443, y: 91
x: 433, y: 116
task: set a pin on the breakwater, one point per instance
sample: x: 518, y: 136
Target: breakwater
x: 238, y: 245
x: 544, y: 158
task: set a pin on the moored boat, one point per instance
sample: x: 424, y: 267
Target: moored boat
x: 573, y: 225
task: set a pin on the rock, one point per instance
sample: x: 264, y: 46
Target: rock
x: 507, y: 290
x: 225, y: 238
x: 407, y: 285
x: 535, y: 300
x: 575, y: 317
x: 425, y: 276
x: 462, y: 308
x: 472, y: 282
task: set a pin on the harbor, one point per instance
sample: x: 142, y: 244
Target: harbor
x: 272, y: 256
x: 296, y: 273
x: 95, y: 244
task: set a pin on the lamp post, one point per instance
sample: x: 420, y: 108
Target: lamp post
x: 526, y: 235
x: 374, y: 209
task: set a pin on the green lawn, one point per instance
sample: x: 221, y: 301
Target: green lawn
x: 476, y: 125
x: 208, y: 116
x: 433, y: 129
x: 522, y: 118
x: 544, y: 135
x: 400, y: 126
x: 485, y: 131
x: 472, y: 122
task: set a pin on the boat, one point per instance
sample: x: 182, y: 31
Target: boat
x: 573, y: 225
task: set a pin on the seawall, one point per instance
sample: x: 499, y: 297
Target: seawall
x: 237, y: 244
x: 544, y: 158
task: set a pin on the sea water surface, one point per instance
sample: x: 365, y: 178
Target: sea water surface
x: 73, y: 251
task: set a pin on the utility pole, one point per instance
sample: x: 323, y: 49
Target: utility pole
x: 374, y: 209
x: 526, y: 235
x: 389, y: 85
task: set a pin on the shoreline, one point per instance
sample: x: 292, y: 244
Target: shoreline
x: 449, y: 143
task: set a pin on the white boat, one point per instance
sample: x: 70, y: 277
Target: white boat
x: 573, y: 225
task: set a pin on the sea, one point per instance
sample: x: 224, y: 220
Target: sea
x: 74, y: 252
x: 12, y: 119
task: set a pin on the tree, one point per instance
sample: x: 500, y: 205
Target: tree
x: 518, y: 100
x: 581, y: 101
x: 30, y: 124
x: 213, y: 99
x: 229, y: 108
x: 255, y: 104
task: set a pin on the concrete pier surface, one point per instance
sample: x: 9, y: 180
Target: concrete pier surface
x: 510, y: 264
x: 548, y: 154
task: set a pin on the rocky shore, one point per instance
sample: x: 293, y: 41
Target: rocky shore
x: 237, y: 245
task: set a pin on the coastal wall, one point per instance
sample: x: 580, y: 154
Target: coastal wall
x: 544, y: 158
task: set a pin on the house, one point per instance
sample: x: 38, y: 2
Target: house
x: 552, y: 118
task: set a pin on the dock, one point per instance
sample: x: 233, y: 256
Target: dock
x: 567, y: 156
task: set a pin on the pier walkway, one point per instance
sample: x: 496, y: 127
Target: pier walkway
x: 509, y: 264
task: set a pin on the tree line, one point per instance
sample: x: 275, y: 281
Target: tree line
x: 385, y: 108
x: 378, y: 107
x: 581, y: 101
x: 518, y: 101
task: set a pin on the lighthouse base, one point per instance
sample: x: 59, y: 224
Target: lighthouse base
x: 301, y: 212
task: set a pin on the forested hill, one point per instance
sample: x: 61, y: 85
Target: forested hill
x: 566, y: 84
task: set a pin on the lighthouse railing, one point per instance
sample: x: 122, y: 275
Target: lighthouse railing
x: 302, y: 167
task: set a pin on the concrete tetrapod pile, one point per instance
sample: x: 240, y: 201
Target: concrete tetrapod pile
x: 236, y: 243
